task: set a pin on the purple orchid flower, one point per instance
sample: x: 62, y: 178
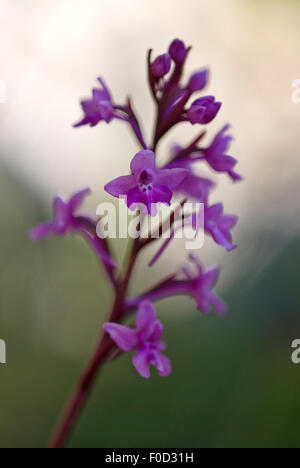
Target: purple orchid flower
x: 218, y: 225
x: 65, y: 220
x: 203, y: 110
x: 216, y: 157
x: 99, y: 108
x: 147, y: 185
x: 201, y: 288
x: 146, y: 339
x: 197, y: 284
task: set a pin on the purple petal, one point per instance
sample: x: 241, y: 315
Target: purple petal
x: 41, y: 231
x: 218, y: 304
x: 161, y: 65
x: 99, y: 96
x: 124, y: 337
x: 61, y: 212
x: 171, y: 178
x: 136, y: 197
x: 145, y: 320
x: 210, y: 278
x: 77, y: 199
x: 105, y: 88
x: 162, y: 364
x: 196, y: 187
x: 222, y: 142
x: 141, y: 361
x: 221, y: 163
x: 149, y: 199
x: 161, y: 194
x: 157, y: 333
x: 92, y: 116
x: 229, y: 221
x: 120, y: 186
x: 214, y: 212
x: 198, y: 80
x: 195, y: 114
x: 142, y: 161
x: 234, y: 176
x: 222, y: 238
x: 107, y: 111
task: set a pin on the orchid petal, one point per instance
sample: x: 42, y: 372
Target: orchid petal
x: 124, y: 337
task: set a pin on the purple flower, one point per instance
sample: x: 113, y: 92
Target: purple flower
x: 178, y: 51
x: 99, y: 107
x: 218, y: 225
x: 147, y: 185
x: 203, y: 110
x: 201, y: 288
x: 161, y: 65
x: 216, y: 157
x: 65, y: 221
x: 146, y: 339
x: 197, y: 284
x: 64, y: 218
x: 198, y: 80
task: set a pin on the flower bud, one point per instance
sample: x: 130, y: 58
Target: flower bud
x: 161, y: 65
x: 198, y: 80
x: 178, y: 51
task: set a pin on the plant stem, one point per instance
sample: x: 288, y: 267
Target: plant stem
x: 78, y: 399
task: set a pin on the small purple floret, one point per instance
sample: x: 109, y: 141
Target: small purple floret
x: 218, y: 225
x: 146, y: 339
x: 216, y: 155
x: 146, y: 185
x: 64, y: 217
x: 99, y: 107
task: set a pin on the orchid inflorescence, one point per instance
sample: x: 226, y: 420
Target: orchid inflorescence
x: 149, y: 185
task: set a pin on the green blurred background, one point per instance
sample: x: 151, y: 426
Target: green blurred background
x: 233, y: 382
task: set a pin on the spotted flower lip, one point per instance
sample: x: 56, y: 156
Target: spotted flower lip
x: 99, y: 107
x: 146, y: 339
x: 203, y: 110
x: 146, y: 185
